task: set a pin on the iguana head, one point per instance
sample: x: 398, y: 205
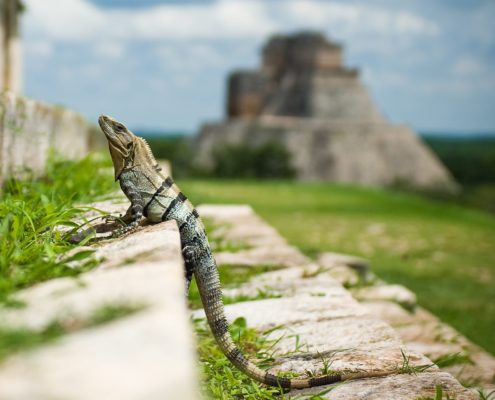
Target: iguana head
x: 126, y: 149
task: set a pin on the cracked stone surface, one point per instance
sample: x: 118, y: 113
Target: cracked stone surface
x: 266, y: 245
x: 315, y: 326
x: 397, y: 387
x: 289, y: 281
x: 146, y: 355
x: 425, y: 333
x: 420, y: 330
x: 381, y: 292
x: 328, y: 259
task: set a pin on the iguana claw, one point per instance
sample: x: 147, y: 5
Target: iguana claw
x: 109, y: 219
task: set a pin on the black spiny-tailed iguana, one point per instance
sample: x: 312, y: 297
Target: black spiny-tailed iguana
x: 159, y: 199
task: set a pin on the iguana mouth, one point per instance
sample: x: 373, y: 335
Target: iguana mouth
x: 120, y: 142
x: 104, y: 122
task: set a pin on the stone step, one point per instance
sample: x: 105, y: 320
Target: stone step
x: 148, y: 354
x: 398, y: 387
x: 266, y: 246
x: 315, y: 321
x: 422, y: 331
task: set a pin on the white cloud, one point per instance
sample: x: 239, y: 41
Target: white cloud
x: 76, y: 20
x: 109, y: 49
x: 471, y: 74
x: 482, y: 27
x: 356, y: 18
x: 63, y: 20
x: 191, y: 57
x: 467, y: 66
x: 390, y: 80
x: 40, y: 48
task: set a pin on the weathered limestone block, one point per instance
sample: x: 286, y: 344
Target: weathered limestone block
x: 69, y: 133
x: 356, y: 343
x: 146, y: 355
x: 316, y: 328
x: 29, y: 128
x: 246, y: 94
x: 266, y: 246
x: 396, y: 315
x: 422, y: 332
x: 307, y: 280
x: 378, y: 154
x: 397, y: 387
x: 480, y: 371
x: 284, y: 256
x: 267, y: 314
x: 341, y: 96
x: 329, y: 260
x: 395, y: 293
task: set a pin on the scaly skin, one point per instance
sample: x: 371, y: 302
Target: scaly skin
x: 158, y: 198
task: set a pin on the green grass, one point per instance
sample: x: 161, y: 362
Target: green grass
x: 218, y: 242
x: 233, y: 276
x: 439, y: 395
x: 31, y: 213
x: 444, y: 253
x: 221, y: 379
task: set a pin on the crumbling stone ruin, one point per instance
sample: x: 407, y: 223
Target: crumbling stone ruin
x: 304, y: 97
x: 10, y: 46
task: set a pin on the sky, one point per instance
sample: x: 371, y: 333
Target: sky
x: 162, y: 65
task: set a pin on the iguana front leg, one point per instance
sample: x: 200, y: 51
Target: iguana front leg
x: 135, y: 211
x: 122, y: 219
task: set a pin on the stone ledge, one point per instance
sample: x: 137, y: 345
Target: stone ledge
x: 146, y: 355
x: 29, y: 128
x: 397, y: 387
x: 420, y: 330
x: 266, y: 245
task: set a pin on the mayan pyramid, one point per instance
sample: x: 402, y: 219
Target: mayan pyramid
x: 304, y: 97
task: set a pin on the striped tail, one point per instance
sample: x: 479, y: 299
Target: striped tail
x: 208, y: 282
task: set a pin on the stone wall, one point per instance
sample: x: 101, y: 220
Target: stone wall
x: 375, y: 154
x: 289, y: 82
x: 146, y: 353
x: 29, y: 129
x: 246, y: 97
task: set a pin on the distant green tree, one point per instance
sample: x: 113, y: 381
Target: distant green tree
x: 177, y: 150
x: 265, y: 161
x: 471, y: 160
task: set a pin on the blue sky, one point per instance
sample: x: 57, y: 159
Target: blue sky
x: 163, y: 64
